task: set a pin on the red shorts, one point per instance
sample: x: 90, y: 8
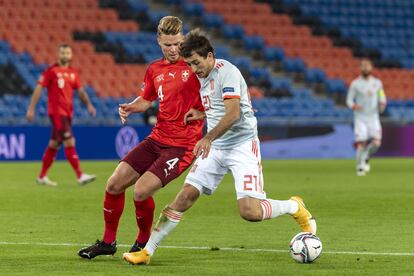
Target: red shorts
x: 61, y: 127
x: 164, y: 161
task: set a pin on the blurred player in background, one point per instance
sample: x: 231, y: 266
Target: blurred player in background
x: 230, y: 144
x: 166, y: 153
x: 367, y: 99
x: 61, y: 80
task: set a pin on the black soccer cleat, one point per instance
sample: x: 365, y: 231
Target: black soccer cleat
x: 96, y: 249
x: 137, y: 247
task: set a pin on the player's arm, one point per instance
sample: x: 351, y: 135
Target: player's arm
x: 232, y: 115
x: 193, y: 115
x: 85, y: 99
x: 350, y: 99
x: 33, y: 102
x: 138, y: 105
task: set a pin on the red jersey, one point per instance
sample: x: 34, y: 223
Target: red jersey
x: 60, y: 83
x: 178, y: 90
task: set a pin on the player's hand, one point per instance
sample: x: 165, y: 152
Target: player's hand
x: 357, y: 107
x: 202, y: 148
x: 124, y: 110
x: 92, y: 110
x: 193, y: 115
x: 30, y: 114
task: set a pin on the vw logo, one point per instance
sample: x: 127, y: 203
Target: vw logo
x: 126, y: 139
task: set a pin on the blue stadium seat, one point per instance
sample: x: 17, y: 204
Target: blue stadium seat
x: 192, y: 9
x: 253, y: 42
x: 273, y: 53
x: 212, y: 20
x: 233, y: 31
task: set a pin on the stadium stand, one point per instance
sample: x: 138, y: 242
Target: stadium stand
x: 113, y: 40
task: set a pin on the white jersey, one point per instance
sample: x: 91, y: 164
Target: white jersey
x: 225, y: 81
x: 368, y: 93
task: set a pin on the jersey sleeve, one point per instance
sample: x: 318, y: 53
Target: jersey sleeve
x: 350, y: 97
x: 44, y: 79
x: 77, y: 82
x: 148, y: 90
x: 382, y: 99
x: 230, y: 83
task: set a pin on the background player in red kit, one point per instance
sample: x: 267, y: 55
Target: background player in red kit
x: 166, y: 153
x: 61, y: 80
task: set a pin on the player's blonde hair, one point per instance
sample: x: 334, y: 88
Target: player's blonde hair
x: 170, y: 25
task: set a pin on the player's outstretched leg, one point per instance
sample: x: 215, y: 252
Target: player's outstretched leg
x: 253, y: 209
x: 168, y: 220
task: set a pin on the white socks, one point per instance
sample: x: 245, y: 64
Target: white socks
x: 371, y: 149
x: 274, y: 208
x: 167, y: 222
x: 360, y: 157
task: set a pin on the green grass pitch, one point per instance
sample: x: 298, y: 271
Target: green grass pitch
x: 362, y: 222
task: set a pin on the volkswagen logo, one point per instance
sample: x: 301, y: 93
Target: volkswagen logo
x: 126, y: 139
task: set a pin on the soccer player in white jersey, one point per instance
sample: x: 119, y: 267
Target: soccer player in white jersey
x: 231, y: 144
x: 367, y: 99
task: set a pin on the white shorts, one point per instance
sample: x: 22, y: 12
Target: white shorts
x: 365, y: 130
x: 244, y: 162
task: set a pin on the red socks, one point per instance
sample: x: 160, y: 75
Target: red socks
x: 47, y: 160
x: 144, y: 212
x: 113, y: 208
x: 73, y: 159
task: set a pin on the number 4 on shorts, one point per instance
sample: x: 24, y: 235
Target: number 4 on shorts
x: 171, y: 164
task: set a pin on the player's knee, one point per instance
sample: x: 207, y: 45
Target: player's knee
x: 141, y: 194
x: 69, y: 142
x: 251, y: 214
x: 113, y: 185
x: 376, y: 143
x: 54, y: 144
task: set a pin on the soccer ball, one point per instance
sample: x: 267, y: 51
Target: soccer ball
x: 305, y: 247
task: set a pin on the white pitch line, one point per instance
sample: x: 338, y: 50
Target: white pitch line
x: 221, y: 248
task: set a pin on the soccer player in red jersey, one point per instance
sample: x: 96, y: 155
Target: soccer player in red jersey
x: 162, y: 156
x: 61, y: 80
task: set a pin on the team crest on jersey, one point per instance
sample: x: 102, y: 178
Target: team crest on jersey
x: 185, y: 74
x: 160, y: 77
x: 72, y: 76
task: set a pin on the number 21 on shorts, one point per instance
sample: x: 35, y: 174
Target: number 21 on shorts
x: 252, y: 183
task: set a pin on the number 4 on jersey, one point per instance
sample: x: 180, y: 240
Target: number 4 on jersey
x: 160, y: 95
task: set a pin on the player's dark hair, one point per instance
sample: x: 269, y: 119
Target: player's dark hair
x: 64, y: 45
x: 367, y: 59
x: 196, y: 41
